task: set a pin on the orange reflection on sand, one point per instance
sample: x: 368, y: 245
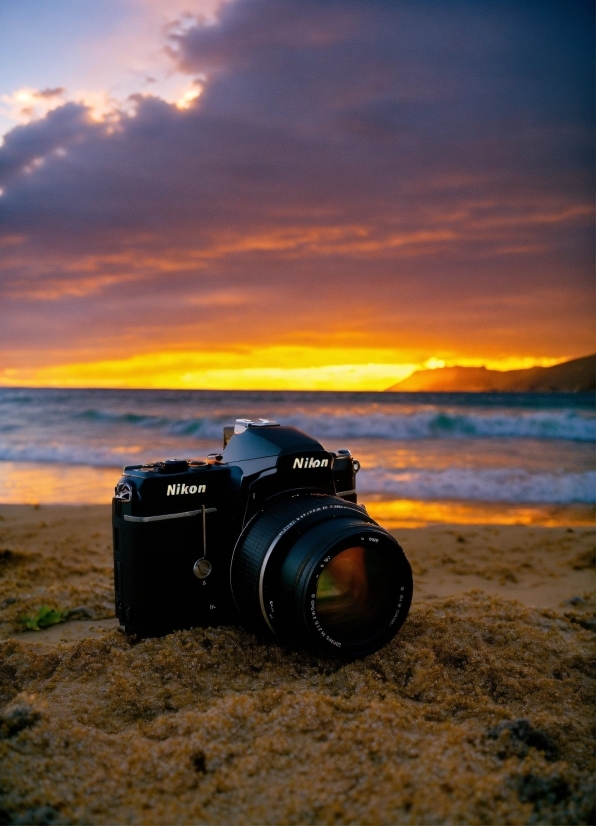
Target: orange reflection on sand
x: 53, y: 484
x: 24, y: 483
x: 408, y: 513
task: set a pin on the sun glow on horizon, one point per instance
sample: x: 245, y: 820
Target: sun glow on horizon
x: 274, y: 368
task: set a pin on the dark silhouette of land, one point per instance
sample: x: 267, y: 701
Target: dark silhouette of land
x: 576, y: 376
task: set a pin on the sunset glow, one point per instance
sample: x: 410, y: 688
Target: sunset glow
x: 192, y: 197
x: 272, y: 369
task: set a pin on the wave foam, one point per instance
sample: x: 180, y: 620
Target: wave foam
x: 499, y: 485
x: 68, y: 455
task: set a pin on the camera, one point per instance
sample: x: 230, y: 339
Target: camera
x: 267, y: 534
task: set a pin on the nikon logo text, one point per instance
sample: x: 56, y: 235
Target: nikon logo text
x: 309, y: 461
x: 174, y: 490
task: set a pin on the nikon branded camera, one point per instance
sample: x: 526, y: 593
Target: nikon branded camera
x: 267, y: 534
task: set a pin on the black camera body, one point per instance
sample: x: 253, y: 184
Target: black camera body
x: 254, y: 536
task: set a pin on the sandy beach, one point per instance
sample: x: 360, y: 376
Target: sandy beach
x: 480, y: 711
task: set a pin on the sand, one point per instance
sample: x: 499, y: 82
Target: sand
x: 480, y: 710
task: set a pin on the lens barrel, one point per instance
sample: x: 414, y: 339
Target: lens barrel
x: 317, y: 570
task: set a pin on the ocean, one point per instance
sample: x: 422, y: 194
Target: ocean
x: 426, y: 457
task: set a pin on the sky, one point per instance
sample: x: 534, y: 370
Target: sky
x: 308, y: 194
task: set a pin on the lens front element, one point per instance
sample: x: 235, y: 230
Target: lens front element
x: 352, y: 594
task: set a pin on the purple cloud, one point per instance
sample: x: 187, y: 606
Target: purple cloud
x: 401, y: 160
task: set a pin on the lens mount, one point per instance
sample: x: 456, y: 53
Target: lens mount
x: 317, y: 570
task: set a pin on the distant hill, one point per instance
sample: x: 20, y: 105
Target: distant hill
x: 578, y: 375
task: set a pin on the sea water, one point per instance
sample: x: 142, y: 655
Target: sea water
x: 426, y: 457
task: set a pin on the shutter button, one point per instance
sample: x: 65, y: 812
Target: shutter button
x: 202, y: 568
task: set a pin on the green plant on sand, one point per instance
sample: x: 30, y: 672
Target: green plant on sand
x: 44, y: 617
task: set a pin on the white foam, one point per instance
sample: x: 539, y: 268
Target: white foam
x: 67, y: 455
x: 485, y: 485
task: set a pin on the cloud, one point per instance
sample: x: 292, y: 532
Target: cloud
x: 62, y: 128
x: 367, y: 168
x: 27, y: 104
x: 51, y: 93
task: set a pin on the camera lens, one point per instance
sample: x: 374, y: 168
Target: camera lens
x: 352, y: 593
x: 315, y: 569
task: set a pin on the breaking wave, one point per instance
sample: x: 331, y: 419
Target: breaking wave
x: 114, y: 428
x: 422, y: 424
